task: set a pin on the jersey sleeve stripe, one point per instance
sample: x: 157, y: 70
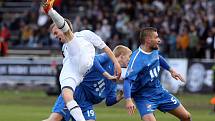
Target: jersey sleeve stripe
x: 135, y: 58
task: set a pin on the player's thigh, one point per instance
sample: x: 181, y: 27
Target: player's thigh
x: 149, y: 117
x: 168, y: 102
x: 85, y: 62
x: 180, y: 112
x: 70, y: 78
x: 70, y: 75
x: 67, y: 94
x: 145, y: 107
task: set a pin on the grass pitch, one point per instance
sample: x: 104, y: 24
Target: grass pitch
x: 36, y: 105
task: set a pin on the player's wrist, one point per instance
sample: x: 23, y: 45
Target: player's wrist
x: 171, y: 70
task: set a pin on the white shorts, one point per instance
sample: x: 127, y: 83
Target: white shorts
x: 75, y: 68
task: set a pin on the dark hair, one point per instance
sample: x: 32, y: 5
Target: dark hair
x: 147, y: 31
x: 66, y: 20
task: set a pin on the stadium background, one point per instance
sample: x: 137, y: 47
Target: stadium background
x: 31, y: 56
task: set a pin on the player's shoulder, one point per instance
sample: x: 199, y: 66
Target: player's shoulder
x: 135, y: 54
x: 83, y: 33
x: 135, y: 51
x: 86, y: 32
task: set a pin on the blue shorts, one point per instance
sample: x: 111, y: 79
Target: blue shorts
x: 86, y: 107
x: 60, y: 107
x: 164, y: 102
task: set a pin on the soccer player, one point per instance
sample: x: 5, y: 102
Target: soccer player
x: 142, y: 82
x: 79, y: 52
x: 95, y: 87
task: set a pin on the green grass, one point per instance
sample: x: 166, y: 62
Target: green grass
x: 35, y: 106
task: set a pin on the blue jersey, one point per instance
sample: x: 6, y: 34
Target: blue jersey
x: 142, y: 77
x: 94, y: 89
x: 95, y: 86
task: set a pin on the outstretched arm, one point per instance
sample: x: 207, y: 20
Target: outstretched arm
x: 163, y: 63
x: 99, y: 67
x: 166, y: 66
x: 57, y: 18
x: 176, y: 75
x: 97, y: 42
x: 117, y: 67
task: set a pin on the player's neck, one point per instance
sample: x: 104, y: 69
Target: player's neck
x: 145, y: 48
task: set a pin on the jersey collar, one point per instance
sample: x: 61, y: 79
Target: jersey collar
x: 144, y: 51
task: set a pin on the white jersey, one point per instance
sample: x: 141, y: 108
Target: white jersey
x: 78, y: 56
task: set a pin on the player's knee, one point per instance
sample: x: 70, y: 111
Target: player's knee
x: 149, y: 117
x: 56, y: 119
x: 186, y: 117
x: 67, y: 94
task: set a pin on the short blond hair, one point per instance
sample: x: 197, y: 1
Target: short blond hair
x: 121, y: 50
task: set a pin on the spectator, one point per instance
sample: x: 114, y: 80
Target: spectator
x: 125, y: 17
x: 183, y: 43
x: 4, y: 38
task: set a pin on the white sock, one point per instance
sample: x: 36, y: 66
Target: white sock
x: 75, y: 110
x: 58, y: 20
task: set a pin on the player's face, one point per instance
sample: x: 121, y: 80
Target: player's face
x: 154, y: 41
x: 58, y: 34
x: 125, y: 59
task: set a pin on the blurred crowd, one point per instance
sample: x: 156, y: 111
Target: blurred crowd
x: 186, y: 27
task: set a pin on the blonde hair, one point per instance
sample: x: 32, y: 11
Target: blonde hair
x: 121, y: 50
